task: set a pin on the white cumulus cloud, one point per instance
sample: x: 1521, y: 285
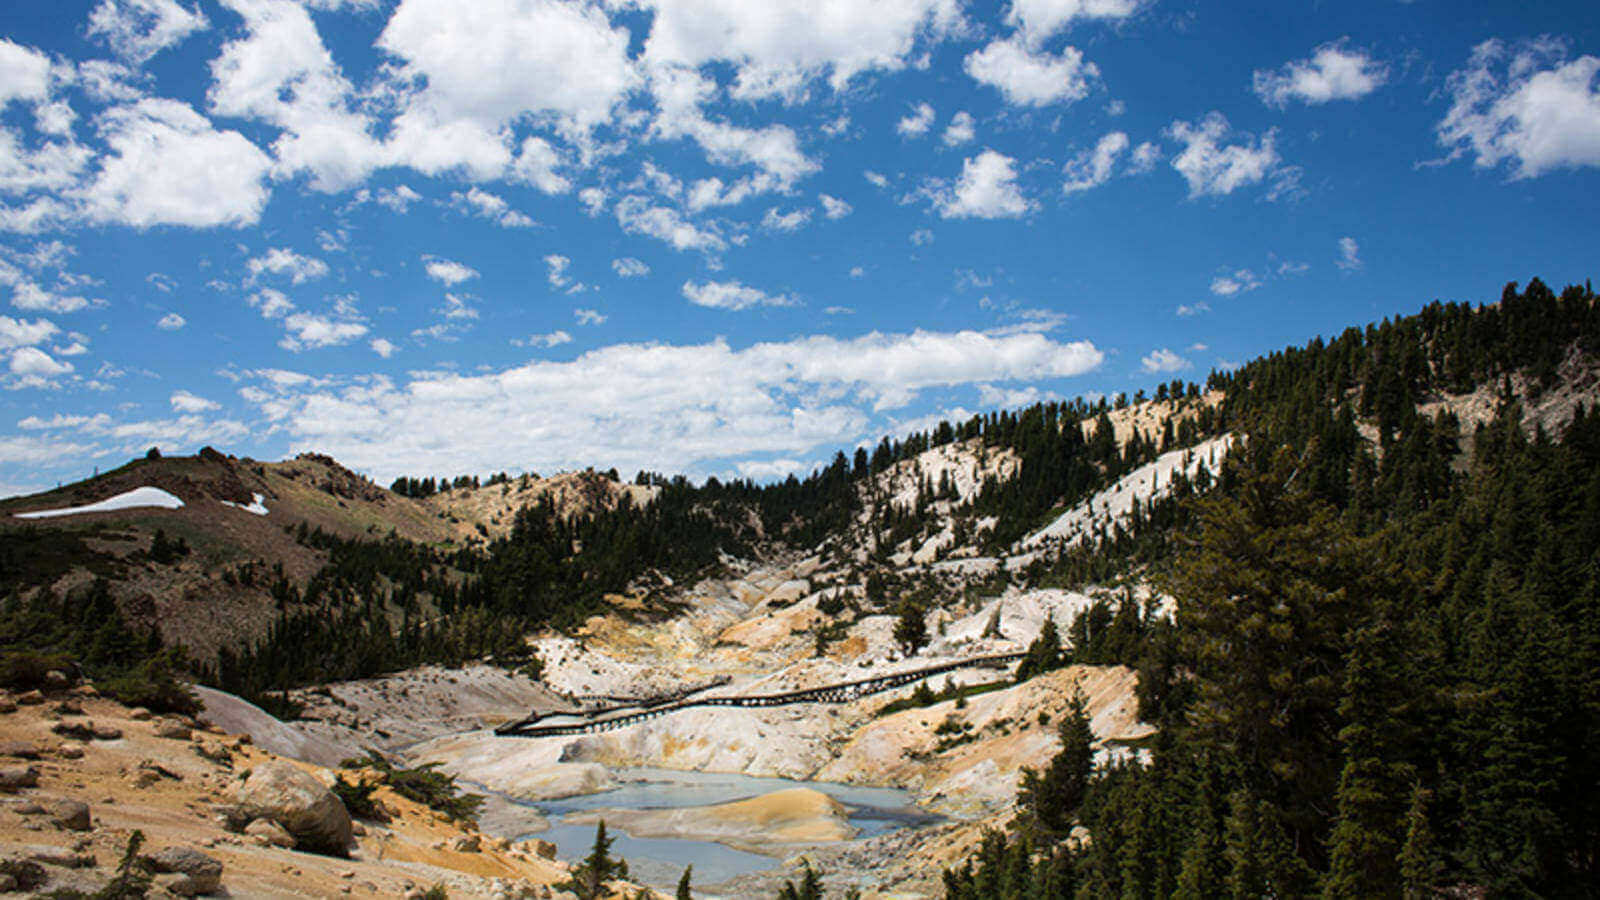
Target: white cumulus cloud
x: 1028, y: 77
x: 1334, y: 72
x: 654, y: 406
x: 448, y: 272
x: 1526, y: 107
x: 1163, y: 360
x: 1212, y: 166
x: 731, y: 295
x: 987, y: 189
x: 139, y: 29
x: 918, y: 122
x: 186, y: 402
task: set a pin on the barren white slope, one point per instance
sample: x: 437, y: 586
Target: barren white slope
x: 134, y: 499
x: 1116, y: 502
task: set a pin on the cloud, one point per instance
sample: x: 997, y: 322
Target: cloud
x: 1039, y: 19
x: 589, y: 316
x: 465, y: 77
x: 553, y: 339
x: 789, y: 221
x: 833, y: 207
x: 270, y: 303
x: 918, y: 122
x: 638, y: 215
x: 922, y: 237
x: 397, y: 200
x: 556, y: 270
x: 283, y: 261
x: 731, y: 295
x: 168, y: 166
x: 628, y: 267
x: 654, y: 406
x: 481, y: 203
x: 773, y: 149
x: 171, y: 322
x: 23, y: 333
x: 280, y: 73
x: 185, y: 402
x: 24, y: 74
x: 448, y: 272
x: 777, y: 46
x: 1349, y: 254
x: 1164, y: 360
x: 33, y: 363
x: 1188, y: 310
x: 961, y: 129
x: 878, y: 180
x: 308, y: 331
x: 1030, y: 78
x: 537, y: 164
x: 456, y: 307
x: 383, y: 347
x: 1213, y: 168
x: 987, y: 189
x: 1242, y: 281
x: 1092, y: 168
x: 1527, y: 108
x: 30, y: 296
x: 1334, y: 72
x: 136, y: 30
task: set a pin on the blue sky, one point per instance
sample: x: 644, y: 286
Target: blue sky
x: 722, y: 237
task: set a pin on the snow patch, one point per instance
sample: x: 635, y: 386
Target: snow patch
x: 257, y: 505
x: 135, y: 499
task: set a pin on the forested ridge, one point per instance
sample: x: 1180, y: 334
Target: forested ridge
x: 1384, y: 675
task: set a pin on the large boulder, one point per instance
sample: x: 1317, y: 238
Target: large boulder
x: 301, y: 804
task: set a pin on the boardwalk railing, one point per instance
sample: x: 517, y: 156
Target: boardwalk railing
x: 843, y: 692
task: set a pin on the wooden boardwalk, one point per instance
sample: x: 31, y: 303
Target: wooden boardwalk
x: 843, y: 692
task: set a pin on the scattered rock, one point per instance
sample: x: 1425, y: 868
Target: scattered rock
x: 231, y: 817
x: 106, y: 732
x: 24, y: 875
x: 155, y: 768
x: 197, y: 873
x: 358, y: 829
x: 268, y: 833
x: 71, y: 814
x: 7, y: 705
x: 467, y: 843
x: 56, y: 679
x: 7, y: 883
x: 14, y: 778
x: 24, y: 807
x: 544, y: 848
x: 68, y: 708
x: 166, y: 728
x: 301, y: 804
x: 78, y: 731
x: 31, y: 698
x: 19, y: 749
x: 69, y: 751
x: 140, y: 714
x: 58, y: 856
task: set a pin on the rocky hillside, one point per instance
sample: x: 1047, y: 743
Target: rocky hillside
x: 81, y: 775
